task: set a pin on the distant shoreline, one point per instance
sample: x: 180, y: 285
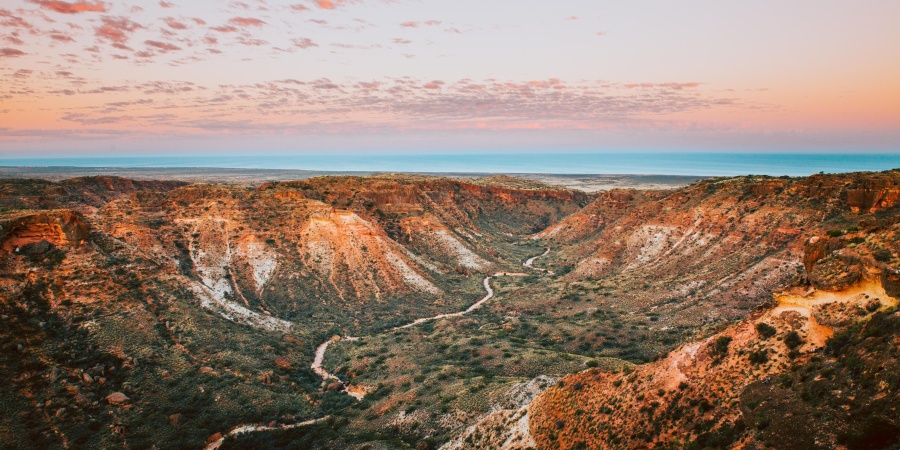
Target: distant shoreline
x: 523, y: 164
x: 583, y: 182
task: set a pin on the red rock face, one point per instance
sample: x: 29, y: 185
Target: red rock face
x: 61, y: 228
x: 872, y: 200
x: 817, y: 248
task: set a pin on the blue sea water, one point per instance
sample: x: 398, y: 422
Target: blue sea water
x: 702, y: 164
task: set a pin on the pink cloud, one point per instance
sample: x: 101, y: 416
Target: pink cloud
x: 246, y: 22
x: 59, y: 37
x: 164, y: 4
x: 405, y: 101
x: 304, y: 43
x: 164, y: 47
x: 328, y: 4
x: 174, y: 23
x: 251, y: 42
x: 675, y: 86
x: 71, y: 8
x: 428, y: 23
x: 401, y: 41
x: 9, y: 20
x: 117, y: 29
x: 199, y: 21
x: 299, y: 8
x: 7, y: 52
x: 225, y: 29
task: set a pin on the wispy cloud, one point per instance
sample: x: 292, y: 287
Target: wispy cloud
x: 175, y: 24
x: 164, y: 47
x: 225, y: 29
x: 71, y: 8
x: 60, y: 37
x: 427, y: 23
x: 327, y: 4
x: 117, y: 29
x: 8, y: 19
x: 7, y: 52
x: 405, y: 103
x: 676, y: 86
x: 246, y: 22
x: 304, y: 43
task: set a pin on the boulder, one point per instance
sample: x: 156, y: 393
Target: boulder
x: 835, y: 273
x: 890, y: 279
x: 116, y: 398
x: 35, y: 248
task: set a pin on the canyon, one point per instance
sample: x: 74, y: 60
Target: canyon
x: 413, y: 311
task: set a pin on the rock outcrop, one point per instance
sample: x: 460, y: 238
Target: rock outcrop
x: 60, y: 228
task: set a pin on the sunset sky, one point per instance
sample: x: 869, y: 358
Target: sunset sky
x: 265, y: 76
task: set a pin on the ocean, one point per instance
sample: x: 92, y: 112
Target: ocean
x: 701, y: 164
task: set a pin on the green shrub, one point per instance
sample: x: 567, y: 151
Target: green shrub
x: 882, y: 256
x: 759, y: 356
x: 720, y: 348
x: 793, y: 340
x: 765, y: 330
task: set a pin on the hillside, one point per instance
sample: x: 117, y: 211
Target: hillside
x: 821, y: 358
x: 152, y: 313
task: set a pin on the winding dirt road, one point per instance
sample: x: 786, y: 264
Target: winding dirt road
x: 316, y: 365
x: 476, y: 305
x: 530, y: 261
x: 241, y: 429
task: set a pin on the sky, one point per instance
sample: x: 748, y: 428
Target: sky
x: 90, y: 77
